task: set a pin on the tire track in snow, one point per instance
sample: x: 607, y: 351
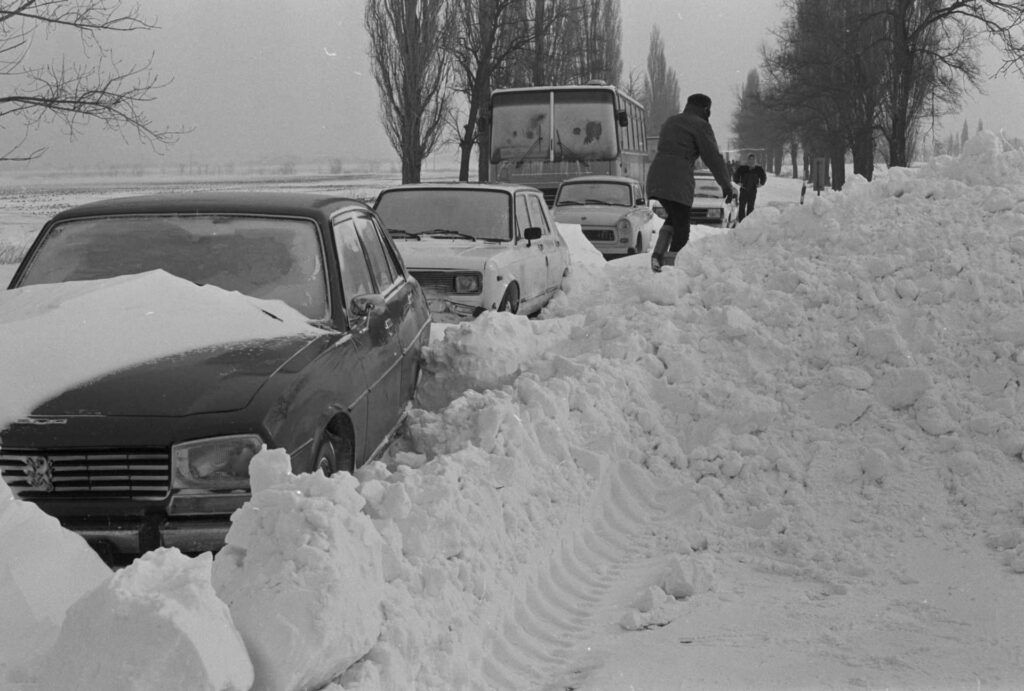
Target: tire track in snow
x: 557, y: 612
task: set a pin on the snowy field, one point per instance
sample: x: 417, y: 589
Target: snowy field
x: 792, y: 461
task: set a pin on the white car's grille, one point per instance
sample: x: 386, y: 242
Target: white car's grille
x: 442, y: 282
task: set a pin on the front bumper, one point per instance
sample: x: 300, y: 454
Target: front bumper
x: 132, y: 538
x: 446, y: 310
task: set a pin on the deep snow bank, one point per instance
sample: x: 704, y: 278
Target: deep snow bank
x: 807, y: 395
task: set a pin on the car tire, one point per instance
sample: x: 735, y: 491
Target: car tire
x: 510, y: 300
x: 333, y: 454
x: 639, y: 247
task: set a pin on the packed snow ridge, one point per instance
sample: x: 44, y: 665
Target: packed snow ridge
x: 802, y: 394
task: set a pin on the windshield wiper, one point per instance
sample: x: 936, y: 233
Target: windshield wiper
x: 598, y: 202
x: 448, y: 231
x: 404, y: 233
x: 569, y: 203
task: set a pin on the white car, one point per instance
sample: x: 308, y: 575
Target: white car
x: 476, y: 246
x: 612, y: 211
x: 709, y: 207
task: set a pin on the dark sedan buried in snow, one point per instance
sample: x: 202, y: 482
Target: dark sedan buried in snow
x: 156, y: 453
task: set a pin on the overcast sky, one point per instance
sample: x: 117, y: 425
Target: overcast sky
x: 253, y: 81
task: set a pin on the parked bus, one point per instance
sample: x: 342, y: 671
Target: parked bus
x: 541, y: 135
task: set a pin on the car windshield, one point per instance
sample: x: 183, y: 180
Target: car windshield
x: 610, y: 193
x: 478, y: 214
x: 270, y: 258
x: 706, y: 188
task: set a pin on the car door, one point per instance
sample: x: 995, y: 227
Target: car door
x: 401, y: 296
x: 530, y: 257
x: 551, y: 244
x: 375, y: 335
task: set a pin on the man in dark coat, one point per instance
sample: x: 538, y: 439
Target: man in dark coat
x: 749, y: 177
x: 684, y: 137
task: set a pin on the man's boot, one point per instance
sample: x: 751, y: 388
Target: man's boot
x: 660, y: 247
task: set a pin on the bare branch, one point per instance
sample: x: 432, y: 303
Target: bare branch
x: 72, y: 93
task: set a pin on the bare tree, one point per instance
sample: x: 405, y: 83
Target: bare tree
x: 490, y: 33
x: 100, y: 88
x: 661, y: 85
x: 572, y: 42
x: 412, y: 68
x: 598, y: 53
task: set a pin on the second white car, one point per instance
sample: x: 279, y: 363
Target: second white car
x: 476, y: 246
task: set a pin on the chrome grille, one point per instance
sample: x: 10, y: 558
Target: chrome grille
x: 135, y: 475
x: 439, y: 281
x: 599, y: 234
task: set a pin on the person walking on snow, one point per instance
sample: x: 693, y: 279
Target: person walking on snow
x: 683, y: 138
x: 749, y: 177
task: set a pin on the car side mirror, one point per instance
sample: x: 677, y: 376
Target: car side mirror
x: 368, y: 306
x: 532, y: 233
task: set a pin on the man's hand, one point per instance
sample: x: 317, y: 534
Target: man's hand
x: 730, y: 195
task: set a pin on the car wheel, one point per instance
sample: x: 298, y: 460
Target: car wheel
x: 639, y: 249
x: 334, y: 454
x: 510, y: 300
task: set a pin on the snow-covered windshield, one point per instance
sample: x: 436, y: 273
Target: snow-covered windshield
x: 609, y: 193
x: 269, y: 258
x: 481, y: 214
x: 579, y: 127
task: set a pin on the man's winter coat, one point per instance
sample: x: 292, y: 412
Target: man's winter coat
x: 684, y: 137
x: 750, y: 178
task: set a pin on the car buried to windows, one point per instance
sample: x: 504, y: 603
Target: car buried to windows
x: 156, y: 453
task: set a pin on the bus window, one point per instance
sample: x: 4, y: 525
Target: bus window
x: 520, y: 126
x: 585, y: 126
x: 582, y: 127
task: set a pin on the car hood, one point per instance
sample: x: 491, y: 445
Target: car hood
x: 145, y: 344
x: 591, y: 215
x: 206, y: 380
x: 449, y: 254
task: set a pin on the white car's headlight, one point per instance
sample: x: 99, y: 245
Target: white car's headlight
x: 214, y: 463
x: 623, y: 227
x: 467, y: 283
x: 714, y: 213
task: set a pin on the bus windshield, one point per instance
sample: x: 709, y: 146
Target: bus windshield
x: 582, y: 126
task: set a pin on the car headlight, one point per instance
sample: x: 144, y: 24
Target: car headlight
x: 467, y: 283
x: 714, y: 213
x: 623, y: 228
x: 214, y: 463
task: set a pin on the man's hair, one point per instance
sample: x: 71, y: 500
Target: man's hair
x: 699, y: 100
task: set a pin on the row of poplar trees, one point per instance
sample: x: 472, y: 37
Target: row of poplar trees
x: 866, y: 78
x: 436, y: 62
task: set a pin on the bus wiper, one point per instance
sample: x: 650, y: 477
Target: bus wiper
x: 519, y: 161
x: 403, y: 233
x: 573, y: 156
x: 448, y: 231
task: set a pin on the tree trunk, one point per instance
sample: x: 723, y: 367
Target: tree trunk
x: 837, y: 160
x: 864, y: 153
